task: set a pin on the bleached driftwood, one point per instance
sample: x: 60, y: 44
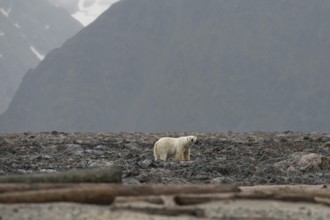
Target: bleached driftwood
x: 106, y: 193
x: 106, y: 175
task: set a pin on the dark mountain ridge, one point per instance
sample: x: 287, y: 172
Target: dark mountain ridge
x: 185, y: 65
x: 28, y: 31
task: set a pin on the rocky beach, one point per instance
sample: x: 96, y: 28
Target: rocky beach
x: 243, y: 159
x: 240, y: 159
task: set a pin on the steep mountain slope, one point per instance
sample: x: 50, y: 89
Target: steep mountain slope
x: 153, y: 65
x: 28, y: 31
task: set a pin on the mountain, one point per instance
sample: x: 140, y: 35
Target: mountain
x: 185, y: 65
x: 28, y: 31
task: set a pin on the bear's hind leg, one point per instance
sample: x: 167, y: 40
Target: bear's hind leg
x: 155, y: 154
x: 178, y: 156
x: 163, y: 157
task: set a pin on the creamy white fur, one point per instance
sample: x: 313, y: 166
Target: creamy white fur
x: 180, y: 147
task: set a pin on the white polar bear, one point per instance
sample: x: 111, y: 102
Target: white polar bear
x: 179, y: 146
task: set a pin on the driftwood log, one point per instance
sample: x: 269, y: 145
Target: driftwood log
x: 311, y: 194
x: 291, y: 197
x: 164, y: 200
x: 109, y: 175
x: 287, y: 188
x: 105, y: 193
x: 18, y: 187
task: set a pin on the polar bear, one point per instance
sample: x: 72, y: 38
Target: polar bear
x: 180, y: 147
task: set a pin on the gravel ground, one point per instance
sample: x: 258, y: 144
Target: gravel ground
x: 237, y: 158
x: 243, y: 159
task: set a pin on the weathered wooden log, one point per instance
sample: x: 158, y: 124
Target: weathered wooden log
x: 186, y: 199
x: 19, y: 187
x: 311, y: 194
x: 108, y: 175
x: 105, y: 194
x: 160, y: 189
x: 287, y: 188
x: 157, y: 200
x: 100, y: 195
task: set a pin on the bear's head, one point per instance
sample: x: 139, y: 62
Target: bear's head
x: 192, y: 139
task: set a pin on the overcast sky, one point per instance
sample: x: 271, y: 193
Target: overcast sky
x: 85, y: 11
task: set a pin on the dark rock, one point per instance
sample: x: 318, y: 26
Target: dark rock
x: 306, y: 138
x: 54, y: 133
x: 3, y: 141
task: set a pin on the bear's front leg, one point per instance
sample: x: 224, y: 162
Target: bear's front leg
x: 186, y: 155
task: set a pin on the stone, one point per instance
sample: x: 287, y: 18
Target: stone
x: 313, y: 162
x: 73, y: 149
x: 221, y: 180
x: 131, y: 180
x: 132, y: 146
x: 48, y: 171
x: 145, y: 164
x: 100, y: 147
x: 95, y: 152
x: 3, y: 141
x: 46, y: 156
x: 326, y: 145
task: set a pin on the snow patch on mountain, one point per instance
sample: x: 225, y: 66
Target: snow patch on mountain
x: 4, y: 12
x: 87, y: 14
x: 7, y: 12
x: 37, y: 53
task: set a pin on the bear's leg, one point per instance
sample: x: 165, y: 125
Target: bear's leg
x: 156, y: 155
x: 186, y: 155
x: 163, y: 156
x: 178, y: 156
x: 161, y: 153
